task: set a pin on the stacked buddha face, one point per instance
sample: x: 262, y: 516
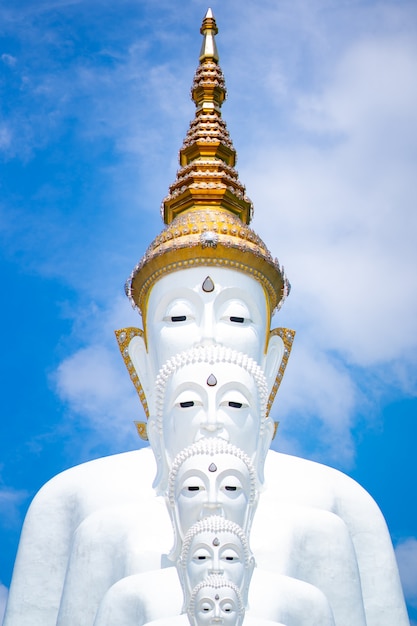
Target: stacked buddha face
x: 206, y: 365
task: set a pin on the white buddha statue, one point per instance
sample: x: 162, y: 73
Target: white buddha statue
x: 215, y: 545
x: 94, y: 543
x: 211, y: 477
x: 227, y: 400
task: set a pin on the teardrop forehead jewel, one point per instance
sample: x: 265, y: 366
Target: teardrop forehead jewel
x: 207, y: 212
x: 208, y: 285
x: 212, y: 380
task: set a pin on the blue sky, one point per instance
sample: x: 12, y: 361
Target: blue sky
x: 94, y: 104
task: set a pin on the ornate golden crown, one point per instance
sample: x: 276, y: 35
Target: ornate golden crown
x: 207, y: 211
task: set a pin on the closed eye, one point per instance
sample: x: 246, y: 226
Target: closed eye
x: 235, y: 405
x: 239, y: 320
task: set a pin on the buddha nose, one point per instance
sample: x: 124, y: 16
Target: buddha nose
x: 216, y: 566
x: 212, y: 506
x: 208, y: 326
x: 212, y: 422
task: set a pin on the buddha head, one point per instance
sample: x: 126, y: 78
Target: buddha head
x: 207, y: 278
x: 209, y: 391
x: 215, y: 545
x: 216, y: 600
x: 211, y: 477
x: 203, y: 307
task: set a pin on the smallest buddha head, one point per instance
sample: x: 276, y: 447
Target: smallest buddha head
x: 215, y: 546
x: 214, y: 601
x: 211, y: 477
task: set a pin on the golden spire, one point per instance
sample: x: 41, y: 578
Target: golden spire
x: 207, y: 176
x: 206, y: 211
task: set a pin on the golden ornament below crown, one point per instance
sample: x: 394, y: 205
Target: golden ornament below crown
x: 207, y: 237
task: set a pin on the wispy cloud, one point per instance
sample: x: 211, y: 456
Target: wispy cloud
x: 341, y: 216
x: 325, y: 131
x: 406, y: 553
x: 10, y: 503
x: 94, y: 384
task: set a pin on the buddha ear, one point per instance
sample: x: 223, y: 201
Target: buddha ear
x: 157, y: 444
x: 264, y: 444
x: 141, y: 362
x: 273, y: 359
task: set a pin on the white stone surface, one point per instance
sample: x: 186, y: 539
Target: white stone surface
x: 97, y: 523
x: 276, y: 598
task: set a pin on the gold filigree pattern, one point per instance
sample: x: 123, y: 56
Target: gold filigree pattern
x: 207, y: 237
x: 287, y: 335
x: 142, y: 430
x: 124, y: 337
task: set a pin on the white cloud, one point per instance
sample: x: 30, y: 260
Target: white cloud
x: 10, y: 502
x: 8, y: 59
x: 327, y: 153
x: 317, y: 402
x: 95, y: 388
x: 3, y: 600
x: 406, y: 553
x: 5, y: 137
x: 94, y: 382
x: 343, y: 212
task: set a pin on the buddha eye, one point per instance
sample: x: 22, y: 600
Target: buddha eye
x: 178, y: 318
x: 230, y: 555
x: 186, y: 404
x: 232, y: 487
x: 235, y: 405
x: 193, y: 488
x: 238, y: 320
x: 179, y: 310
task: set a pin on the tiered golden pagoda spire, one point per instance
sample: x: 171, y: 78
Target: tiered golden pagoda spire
x: 207, y: 176
x: 206, y: 211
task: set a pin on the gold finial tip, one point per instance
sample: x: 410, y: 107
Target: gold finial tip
x: 209, y: 30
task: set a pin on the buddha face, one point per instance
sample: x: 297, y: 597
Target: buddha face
x: 212, y: 484
x: 204, y: 400
x: 216, y: 606
x: 221, y: 553
x: 186, y: 308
